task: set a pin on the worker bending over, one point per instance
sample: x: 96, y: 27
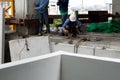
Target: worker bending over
x: 71, y: 25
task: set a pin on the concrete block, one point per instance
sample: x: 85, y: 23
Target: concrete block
x: 86, y: 50
x: 29, y: 47
x: 112, y: 53
x: 63, y: 47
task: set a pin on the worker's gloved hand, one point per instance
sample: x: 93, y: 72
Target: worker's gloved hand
x: 65, y: 31
x: 77, y: 27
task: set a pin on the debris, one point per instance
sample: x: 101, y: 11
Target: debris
x: 85, y: 38
x: 70, y: 42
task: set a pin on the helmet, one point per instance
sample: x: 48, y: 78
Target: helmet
x: 72, y: 17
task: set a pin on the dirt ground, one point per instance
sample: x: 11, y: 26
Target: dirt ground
x: 101, y: 40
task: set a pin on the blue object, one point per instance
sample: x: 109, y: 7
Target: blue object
x: 71, y: 24
x: 42, y: 9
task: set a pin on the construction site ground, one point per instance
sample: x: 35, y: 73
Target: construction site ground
x: 101, y: 40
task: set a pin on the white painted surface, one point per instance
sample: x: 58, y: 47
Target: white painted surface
x: 63, y: 47
x: 37, y: 46
x: 0, y: 60
x: 86, y: 50
x: 89, y: 68
x: 38, y: 68
x: 107, y: 53
x: 2, y: 35
x: 62, y: 66
x: 21, y: 8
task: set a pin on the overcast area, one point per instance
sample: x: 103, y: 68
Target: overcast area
x: 84, y: 5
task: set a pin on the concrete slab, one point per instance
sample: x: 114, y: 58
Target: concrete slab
x: 29, y: 47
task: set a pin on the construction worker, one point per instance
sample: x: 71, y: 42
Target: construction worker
x: 71, y: 25
x: 63, y: 7
x: 42, y: 9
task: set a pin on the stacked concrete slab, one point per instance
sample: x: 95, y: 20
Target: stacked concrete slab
x: 62, y: 66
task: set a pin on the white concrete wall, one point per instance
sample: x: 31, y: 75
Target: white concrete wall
x: 37, y: 46
x: 62, y: 66
x: 87, y: 50
x: 2, y: 35
x: 21, y: 8
x: 89, y: 68
x: 112, y: 53
x: 63, y: 47
x: 38, y: 68
x: 24, y: 7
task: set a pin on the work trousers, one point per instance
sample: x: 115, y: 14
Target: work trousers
x: 43, y: 17
x: 64, y: 17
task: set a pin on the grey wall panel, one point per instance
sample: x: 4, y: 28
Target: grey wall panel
x: 116, y: 6
x: 25, y: 7
x: 31, y: 11
x: 21, y: 8
x: 2, y: 35
x: 45, y: 69
x: 81, y: 68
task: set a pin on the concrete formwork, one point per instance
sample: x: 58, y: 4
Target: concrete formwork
x: 43, y: 46
x: 112, y: 53
x: 86, y: 50
x: 29, y: 47
x: 62, y: 66
x: 89, y: 68
x: 63, y: 47
x: 38, y: 68
x: 2, y: 35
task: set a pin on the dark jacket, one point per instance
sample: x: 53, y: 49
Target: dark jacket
x: 63, y: 5
x: 71, y: 24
